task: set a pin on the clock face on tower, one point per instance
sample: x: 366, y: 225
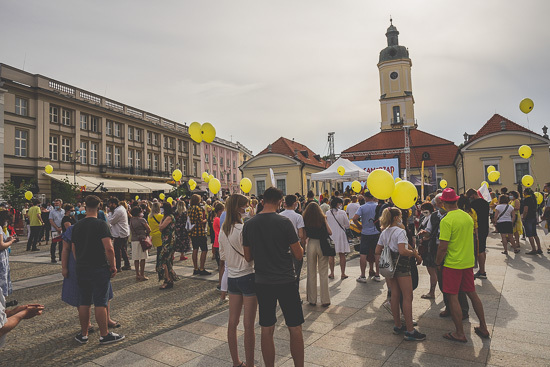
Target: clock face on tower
x: 394, y: 75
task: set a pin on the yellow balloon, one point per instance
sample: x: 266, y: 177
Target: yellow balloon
x: 526, y: 105
x: 405, y: 195
x: 214, y: 185
x: 341, y: 170
x: 491, y: 169
x: 28, y: 195
x: 176, y: 175
x: 484, y: 183
x: 356, y: 186
x: 192, y: 187
x: 397, y: 179
x: 443, y: 184
x: 540, y: 197
x: 192, y: 182
x: 525, y: 151
x: 169, y: 200
x: 161, y: 196
x: 48, y: 169
x: 493, y: 176
x: 380, y: 184
x: 208, y: 132
x: 204, y: 175
x: 527, y: 181
x: 195, y: 131
x: 137, y: 197
x: 210, y: 177
x: 246, y: 185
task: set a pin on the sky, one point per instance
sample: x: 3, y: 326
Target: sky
x: 258, y: 70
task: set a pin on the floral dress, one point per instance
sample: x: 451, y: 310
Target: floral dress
x: 167, y: 252
x: 183, y: 243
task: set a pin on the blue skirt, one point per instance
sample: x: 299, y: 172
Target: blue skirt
x: 70, y: 292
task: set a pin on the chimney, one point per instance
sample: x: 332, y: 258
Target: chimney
x: 269, y: 148
x: 503, y: 125
x: 545, y: 131
x: 466, y: 137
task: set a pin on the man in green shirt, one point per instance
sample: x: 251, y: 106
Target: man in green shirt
x: 36, y: 225
x: 456, y: 255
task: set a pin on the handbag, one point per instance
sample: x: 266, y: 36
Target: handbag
x: 145, y: 242
x: 386, y: 264
x: 349, y: 233
x: 188, y: 225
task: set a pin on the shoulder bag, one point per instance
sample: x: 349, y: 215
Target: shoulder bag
x: 505, y: 210
x: 327, y: 245
x: 145, y: 242
x: 188, y: 225
x: 349, y: 233
x: 386, y: 264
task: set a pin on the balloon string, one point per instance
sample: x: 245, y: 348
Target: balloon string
x: 532, y: 155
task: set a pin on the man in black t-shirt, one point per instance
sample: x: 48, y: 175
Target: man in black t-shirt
x: 271, y: 241
x: 481, y: 206
x: 529, y: 218
x: 95, y: 266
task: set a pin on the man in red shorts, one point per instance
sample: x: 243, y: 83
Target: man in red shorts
x: 456, y: 255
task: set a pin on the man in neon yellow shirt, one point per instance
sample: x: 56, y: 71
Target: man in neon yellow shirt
x: 456, y: 255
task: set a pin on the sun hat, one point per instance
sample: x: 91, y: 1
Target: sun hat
x: 449, y: 195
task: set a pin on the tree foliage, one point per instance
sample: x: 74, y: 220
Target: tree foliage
x: 65, y: 191
x: 15, y: 195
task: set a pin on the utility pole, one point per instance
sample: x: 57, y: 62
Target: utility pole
x: 331, y: 155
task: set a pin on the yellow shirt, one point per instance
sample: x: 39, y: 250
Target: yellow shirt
x: 473, y: 214
x: 156, y: 236
x: 33, y: 214
x: 456, y: 228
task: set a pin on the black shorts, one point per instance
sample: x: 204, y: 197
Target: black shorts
x: 94, y: 286
x: 289, y: 299
x: 505, y: 228
x: 368, y: 244
x: 199, y: 242
x: 530, y: 226
x: 242, y: 286
x: 482, y: 244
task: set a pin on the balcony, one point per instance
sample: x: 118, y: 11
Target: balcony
x: 125, y: 170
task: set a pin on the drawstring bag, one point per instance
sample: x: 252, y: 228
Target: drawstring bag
x: 386, y: 264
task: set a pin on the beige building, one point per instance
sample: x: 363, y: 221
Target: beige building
x: 292, y: 164
x: 102, y: 140
x: 497, y: 144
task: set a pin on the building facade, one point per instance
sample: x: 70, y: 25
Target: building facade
x: 292, y: 164
x: 497, y: 144
x: 87, y: 136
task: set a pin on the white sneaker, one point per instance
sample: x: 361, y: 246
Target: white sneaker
x: 376, y: 278
x: 362, y: 279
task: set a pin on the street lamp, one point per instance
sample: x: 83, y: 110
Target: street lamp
x: 74, y: 157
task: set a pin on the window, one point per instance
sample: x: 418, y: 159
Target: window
x: 65, y: 149
x: 487, y: 164
x: 21, y: 106
x: 214, y: 160
x: 94, y: 124
x: 54, y: 115
x: 130, y: 158
x: 522, y: 169
x: 149, y: 157
x: 130, y: 133
x: 117, y: 129
x: 228, y: 163
x: 149, y: 137
x: 195, y: 169
x: 214, y: 173
x: 93, y: 154
x: 195, y: 149
x: 21, y: 143
x: 234, y: 164
x: 109, y: 128
x: 84, y: 152
x: 66, y: 117
x: 138, y: 159
x: 54, y: 142
x: 185, y: 147
x: 184, y: 167
x: 156, y: 139
x: 109, y: 156
x: 206, y: 157
x: 83, y: 122
x: 165, y: 142
x: 166, y: 163
x: 118, y: 157
x: 281, y: 185
x: 234, y: 177
x: 396, y: 115
x: 260, y: 187
x: 138, y: 135
x: 221, y: 162
x: 171, y: 163
x: 156, y: 162
x: 171, y: 143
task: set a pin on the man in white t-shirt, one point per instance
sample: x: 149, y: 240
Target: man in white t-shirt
x: 291, y: 202
x: 352, y: 207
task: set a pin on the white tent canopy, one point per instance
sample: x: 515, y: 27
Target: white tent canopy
x: 353, y: 172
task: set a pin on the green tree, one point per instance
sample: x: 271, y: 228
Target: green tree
x: 15, y: 194
x: 65, y: 191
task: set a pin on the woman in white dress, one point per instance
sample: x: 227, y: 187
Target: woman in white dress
x: 338, y: 221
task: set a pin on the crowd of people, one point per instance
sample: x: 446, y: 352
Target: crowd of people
x: 259, y: 244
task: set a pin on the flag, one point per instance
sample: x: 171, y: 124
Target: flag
x: 273, y: 182
x: 483, y: 192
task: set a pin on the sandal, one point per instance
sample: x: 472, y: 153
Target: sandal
x: 481, y: 334
x: 344, y: 277
x: 331, y: 276
x: 451, y: 337
x: 241, y: 365
x: 516, y: 251
x: 504, y: 252
x: 115, y: 325
x: 427, y: 296
x: 166, y: 285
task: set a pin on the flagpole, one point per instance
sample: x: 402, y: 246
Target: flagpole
x: 422, y: 182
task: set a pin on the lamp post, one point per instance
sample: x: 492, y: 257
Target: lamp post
x: 74, y: 157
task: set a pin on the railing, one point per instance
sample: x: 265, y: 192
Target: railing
x: 134, y: 171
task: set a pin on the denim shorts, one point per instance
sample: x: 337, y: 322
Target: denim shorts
x: 530, y: 226
x: 242, y: 286
x: 94, y: 285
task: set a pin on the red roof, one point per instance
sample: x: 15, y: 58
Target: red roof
x: 494, y: 126
x: 442, y: 152
x: 295, y: 150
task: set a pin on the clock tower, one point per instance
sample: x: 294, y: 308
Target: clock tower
x: 396, y: 98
